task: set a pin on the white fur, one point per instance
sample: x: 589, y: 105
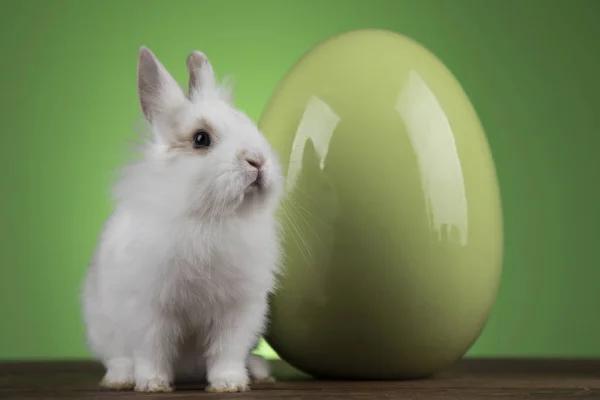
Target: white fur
x: 178, y: 285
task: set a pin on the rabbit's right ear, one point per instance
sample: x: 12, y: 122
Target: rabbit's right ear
x: 158, y: 90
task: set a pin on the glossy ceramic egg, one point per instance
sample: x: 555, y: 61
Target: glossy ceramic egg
x: 392, y: 217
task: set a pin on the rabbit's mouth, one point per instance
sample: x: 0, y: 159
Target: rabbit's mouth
x: 255, y: 190
x: 254, y: 187
x: 258, y: 182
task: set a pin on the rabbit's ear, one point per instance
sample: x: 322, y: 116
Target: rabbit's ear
x: 226, y: 90
x: 158, y: 90
x: 203, y: 83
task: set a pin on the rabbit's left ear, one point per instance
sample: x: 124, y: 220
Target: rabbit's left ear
x: 203, y: 82
x: 158, y: 90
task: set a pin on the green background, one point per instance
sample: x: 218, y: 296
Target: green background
x: 68, y: 107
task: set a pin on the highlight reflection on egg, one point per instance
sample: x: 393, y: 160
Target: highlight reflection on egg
x: 392, y: 217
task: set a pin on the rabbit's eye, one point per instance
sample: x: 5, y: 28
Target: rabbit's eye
x: 201, y: 140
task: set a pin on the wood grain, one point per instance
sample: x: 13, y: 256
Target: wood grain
x: 472, y: 379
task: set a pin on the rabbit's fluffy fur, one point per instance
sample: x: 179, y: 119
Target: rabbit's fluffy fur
x: 178, y: 286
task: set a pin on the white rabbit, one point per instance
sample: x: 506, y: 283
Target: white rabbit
x: 178, y: 285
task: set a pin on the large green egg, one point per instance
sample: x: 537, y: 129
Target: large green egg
x: 392, y: 217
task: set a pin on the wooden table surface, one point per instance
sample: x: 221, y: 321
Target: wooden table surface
x: 469, y: 379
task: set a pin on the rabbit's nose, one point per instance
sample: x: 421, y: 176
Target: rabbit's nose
x: 255, y: 162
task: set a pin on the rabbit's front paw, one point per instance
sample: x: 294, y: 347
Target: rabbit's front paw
x: 153, y: 385
x: 119, y: 374
x: 108, y: 383
x: 229, y: 381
